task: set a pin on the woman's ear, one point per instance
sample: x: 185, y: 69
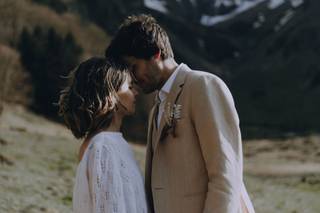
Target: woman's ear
x: 110, y: 103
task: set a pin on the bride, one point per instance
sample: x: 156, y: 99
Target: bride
x: 108, y: 179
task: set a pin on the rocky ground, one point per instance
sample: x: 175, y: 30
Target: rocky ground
x: 38, y: 162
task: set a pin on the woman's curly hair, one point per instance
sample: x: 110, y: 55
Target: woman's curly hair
x: 88, y: 103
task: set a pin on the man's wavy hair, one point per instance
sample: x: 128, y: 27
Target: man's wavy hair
x: 139, y: 36
x: 88, y: 103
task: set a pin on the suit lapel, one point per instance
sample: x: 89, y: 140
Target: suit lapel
x: 150, y: 138
x: 175, y: 91
x: 149, y: 156
x: 151, y: 126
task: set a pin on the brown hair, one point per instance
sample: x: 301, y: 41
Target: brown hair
x: 139, y: 36
x: 87, y: 104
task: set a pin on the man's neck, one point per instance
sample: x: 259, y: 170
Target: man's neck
x: 169, y: 65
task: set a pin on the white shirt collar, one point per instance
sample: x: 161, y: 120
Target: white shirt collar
x: 167, y: 86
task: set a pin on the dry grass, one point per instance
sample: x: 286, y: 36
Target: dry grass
x: 13, y: 78
x: 38, y: 162
x: 17, y: 14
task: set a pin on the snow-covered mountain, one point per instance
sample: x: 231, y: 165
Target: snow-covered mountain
x: 267, y: 51
x: 217, y: 11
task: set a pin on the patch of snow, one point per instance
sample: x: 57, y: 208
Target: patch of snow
x: 256, y: 25
x: 285, y: 19
x: 227, y: 3
x: 193, y: 2
x: 156, y: 5
x: 261, y: 17
x: 212, y: 20
x: 273, y: 4
x: 296, y: 3
x: 260, y: 20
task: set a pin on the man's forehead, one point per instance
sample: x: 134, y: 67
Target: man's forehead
x: 129, y: 60
x: 133, y: 60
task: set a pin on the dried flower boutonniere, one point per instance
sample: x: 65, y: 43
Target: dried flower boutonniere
x: 172, y: 113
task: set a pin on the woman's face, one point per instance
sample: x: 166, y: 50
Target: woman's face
x: 127, y: 97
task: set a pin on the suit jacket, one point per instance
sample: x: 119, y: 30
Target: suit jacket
x: 198, y: 166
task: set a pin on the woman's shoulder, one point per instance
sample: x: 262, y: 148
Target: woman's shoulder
x: 104, y: 141
x: 103, y: 138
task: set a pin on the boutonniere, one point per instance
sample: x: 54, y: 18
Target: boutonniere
x: 172, y: 113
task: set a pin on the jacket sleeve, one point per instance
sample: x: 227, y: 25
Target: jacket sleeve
x: 217, y: 125
x: 105, y: 181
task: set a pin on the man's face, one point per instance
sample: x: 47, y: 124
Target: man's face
x: 145, y: 73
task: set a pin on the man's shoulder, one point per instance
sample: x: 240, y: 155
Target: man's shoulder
x: 199, y: 76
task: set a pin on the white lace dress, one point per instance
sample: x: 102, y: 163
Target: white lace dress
x: 108, y: 179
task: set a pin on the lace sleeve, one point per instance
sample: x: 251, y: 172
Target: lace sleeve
x: 105, y: 181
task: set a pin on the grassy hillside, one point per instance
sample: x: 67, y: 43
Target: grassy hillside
x: 38, y: 160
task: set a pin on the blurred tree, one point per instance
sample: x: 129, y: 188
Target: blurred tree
x: 9, y: 21
x: 13, y: 86
x: 110, y: 13
x: 57, y: 5
x: 47, y: 56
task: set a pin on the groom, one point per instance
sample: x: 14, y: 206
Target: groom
x: 194, y: 149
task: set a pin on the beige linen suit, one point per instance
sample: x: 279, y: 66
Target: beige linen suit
x: 198, y: 168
